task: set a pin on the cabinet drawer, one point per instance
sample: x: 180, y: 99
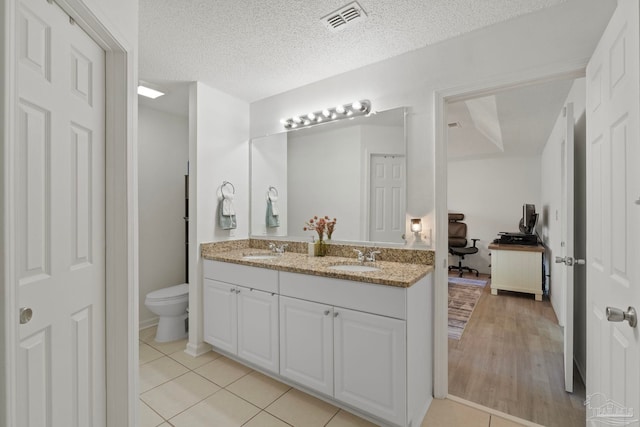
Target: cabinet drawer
x: 377, y: 299
x: 252, y: 277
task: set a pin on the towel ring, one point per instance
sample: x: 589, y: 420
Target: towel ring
x: 274, y: 189
x: 224, y: 183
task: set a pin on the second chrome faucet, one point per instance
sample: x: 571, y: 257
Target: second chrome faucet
x: 369, y: 257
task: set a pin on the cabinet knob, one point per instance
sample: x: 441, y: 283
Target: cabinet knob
x: 326, y: 312
x: 335, y: 314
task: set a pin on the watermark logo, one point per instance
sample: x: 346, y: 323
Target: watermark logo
x: 607, y: 411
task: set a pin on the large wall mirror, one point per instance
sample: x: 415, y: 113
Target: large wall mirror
x: 353, y: 170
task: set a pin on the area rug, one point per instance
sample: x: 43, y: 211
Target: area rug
x: 463, y: 296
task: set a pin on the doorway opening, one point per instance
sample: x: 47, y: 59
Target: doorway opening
x: 498, y: 152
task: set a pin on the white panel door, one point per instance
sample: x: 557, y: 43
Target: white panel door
x: 60, y: 233
x: 258, y: 328
x: 387, y: 198
x: 306, y: 343
x: 371, y: 363
x: 613, y: 219
x: 220, y: 314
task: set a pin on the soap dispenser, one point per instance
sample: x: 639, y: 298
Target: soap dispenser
x: 312, y: 247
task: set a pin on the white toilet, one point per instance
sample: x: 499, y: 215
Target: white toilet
x: 170, y: 304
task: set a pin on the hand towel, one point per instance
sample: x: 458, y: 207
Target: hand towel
x: 272, y: 220
x: 274, y: 205
x: 227, y: 204
x: 226, y: 213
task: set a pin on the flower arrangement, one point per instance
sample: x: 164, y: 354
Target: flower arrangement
x: 321, y: 226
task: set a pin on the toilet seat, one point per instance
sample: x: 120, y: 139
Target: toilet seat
x: 169, y: 294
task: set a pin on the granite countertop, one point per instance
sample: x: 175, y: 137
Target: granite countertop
x: 397, y: 274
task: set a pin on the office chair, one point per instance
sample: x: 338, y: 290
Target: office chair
x: 458, y: 243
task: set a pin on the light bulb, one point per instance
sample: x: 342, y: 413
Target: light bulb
x: 311, y: 116
x: 297, y: 119
x: 357, y: 106
x: 340, y: 109
x: 326, y: 113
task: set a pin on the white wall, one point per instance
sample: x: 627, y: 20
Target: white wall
x: 538, y: 41
x: 490, y: 193
x: 163, y: 152
x: 269, y: 168
x: 550, y: 221
x: 218, y: 151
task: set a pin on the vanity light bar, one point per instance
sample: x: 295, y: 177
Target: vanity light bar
x: 354, y: 109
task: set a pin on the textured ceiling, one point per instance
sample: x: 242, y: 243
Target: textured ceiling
x: 524, y: 116
x: 253, y: 49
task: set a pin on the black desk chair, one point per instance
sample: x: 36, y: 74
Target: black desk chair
x: 458, y: 243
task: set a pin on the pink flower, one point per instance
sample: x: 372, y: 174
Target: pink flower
x: 321, y: 226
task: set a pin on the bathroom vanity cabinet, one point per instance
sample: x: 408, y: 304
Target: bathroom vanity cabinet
x: 243, y: 320
x: 365, y: 347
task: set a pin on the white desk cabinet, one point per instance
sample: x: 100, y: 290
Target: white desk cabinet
x: 516, y: 268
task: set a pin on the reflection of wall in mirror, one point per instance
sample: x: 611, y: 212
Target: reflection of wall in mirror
x: 268, y: 168
x: 329, y: 175
x: 324, y: 179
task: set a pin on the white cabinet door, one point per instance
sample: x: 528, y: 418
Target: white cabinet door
x: 370, y: 363
x: 306, y: 343
x: 258, y: 328
x: 220, y: 315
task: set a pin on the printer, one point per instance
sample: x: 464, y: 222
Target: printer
x: 505, y: 238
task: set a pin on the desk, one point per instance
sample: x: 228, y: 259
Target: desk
x: 516, y: 268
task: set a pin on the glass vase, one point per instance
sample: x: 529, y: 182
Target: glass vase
x: 321, y: 248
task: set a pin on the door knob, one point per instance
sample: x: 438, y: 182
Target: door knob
x: 569, y: 261
x: 617, y: 315
x: 25, y: 315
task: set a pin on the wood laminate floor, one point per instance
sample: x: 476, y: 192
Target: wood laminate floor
x: 510, y: 359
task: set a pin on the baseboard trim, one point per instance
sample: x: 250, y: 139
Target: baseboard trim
x: 148, y: 323
x: 493, y: 411
x: 198, y: 349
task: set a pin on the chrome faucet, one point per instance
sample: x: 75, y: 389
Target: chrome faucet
x: 278, y: 249
x: 371, y: 256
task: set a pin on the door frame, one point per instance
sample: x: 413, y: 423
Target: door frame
x: 121, y: 214
x: 441, y: 97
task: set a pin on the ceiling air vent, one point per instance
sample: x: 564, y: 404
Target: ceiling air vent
x: 343, y: 17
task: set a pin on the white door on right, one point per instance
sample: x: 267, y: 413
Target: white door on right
x: 613, y: 221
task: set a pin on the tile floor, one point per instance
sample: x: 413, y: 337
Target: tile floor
x: 177, y: 390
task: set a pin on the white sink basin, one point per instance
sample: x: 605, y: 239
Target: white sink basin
x: 354, y: 268
x: 260, y: 256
